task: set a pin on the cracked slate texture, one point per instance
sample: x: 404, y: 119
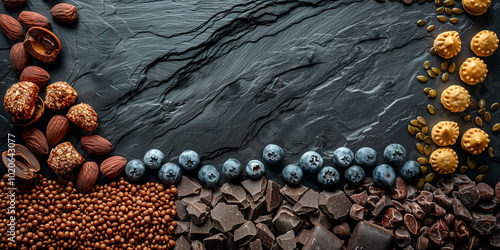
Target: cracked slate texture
x: 225, y: 78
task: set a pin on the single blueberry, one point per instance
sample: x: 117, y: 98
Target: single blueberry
x: 255, y: 169
x: 355, y: 175
x: 343, y: 157
x: 410, y: 170
x: 384, y: 176
x: 189, y: 160
x: 170, y: 173
x: 231, y: 168
x: 394, y: 154
x: 153, y: 159
x: 135, y: 170
x: 311, y: 162
x: 328, y: 177
x: 272, y: 153
x: 292, y: 174
x: 209, y: 175
x: 366, y: 157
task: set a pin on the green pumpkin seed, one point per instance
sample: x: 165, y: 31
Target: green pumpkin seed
x: 436, y: 70
x: 421, y: 22
x: 448, y: 11
x: 424, y: 130
x: 445, y: 77
x: 481, y: 111
x: 423, y: 169
x: 426, y: 90
x: 487, y: 117
x: 420, y: 136
x: 472, y: 103
x: 494, y: 106
x: 451, y: 67
x: 421, y: 78
x: 482, y: 169
x: 479, y: 121
x: 449, y: 3
x: 463, y: 169
x: 440, y: 10
x: 471, y: 164
x: 438, y: 2
x: 496, y: 128
x: 430, y: 177
x: 431, y: 27
x: 491, y: 152
x: 467, y: 118
x: 481, y: 103
x: 431, y: 109
x: 427, y: 64
x: 421, y: 120
x: 428, y: 140
x: 480, y: 178
x: 442, y: 19
x: 432, y: 94
x: 420, y: 148
x: 457, y: 11
x: 414, y: 122
x: 411, y: 130
x: 444, y: 66
x: 427, y: 150
x: 432, y: 51
x: 453, y: 20
x: 420, y: 183
x: 430, y: 73
x: 422, y: 160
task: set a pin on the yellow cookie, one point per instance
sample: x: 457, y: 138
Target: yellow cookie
x: 447, y: 44
x: 444, y: 160
x: 473, y: 71
x: 484, y: 43
x: 445, y: 133
x: 476, y: 7
x: 455, y: 98
x: 475, y: 141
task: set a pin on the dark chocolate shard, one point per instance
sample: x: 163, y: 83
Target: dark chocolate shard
x: 265, y: 235
x: 266, y: 220
x: 286, y: 220
x: 206, y: 195
x: 226, y: 217
x: 442, y: 199
x: 446, y: 185
x: 181, y: 214
x: 321, y: 238
x: 400, y: 191
x: 367, y: 235
x: 292, y: 193
x: 303, y: 236
x: 255, y: 187
x: 198, y: 245
x: 483, y: 223
x: 308, y: 204
x: 428, y: 187
x: 350, y: 189
x: 402, y: 237
x: 244, y: 233
x: 320, y: 218
x: 468, y: 194
x: 357, y: 212
x: 342, y: 230
x: 182, y: 244
x: 334, y: 204
x: 391, y: 218
x: 257, y: 209
x: 198, y: 212
x: 235, y: 194
x: 287, y: 241
x: 255, y: 245
x: 216, y: 197
x: 187, y: 186
x: 411, y: 192
x: 460, y: 179
x: 181, y: 228
x: 460, y: 211
x: 216, y: 241
x: 381, y: 205
x: 273, y: 195
x: 360, y: 198
x: 204, y: 229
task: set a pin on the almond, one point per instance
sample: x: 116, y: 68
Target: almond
x: 96, y: 145
x: 13, y: 3
x: 32, y: 19
x: 87, y: 176
x: 35, y: 141
x: 64, y: 12
x: 113, y: 166
x: 35, y: 75
x: 56, y: 129
x: 11, y: 27
x: 19, y: 57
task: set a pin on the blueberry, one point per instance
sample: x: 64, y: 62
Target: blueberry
x: 394, y: 154
x: 231, y: 168
x: 170, y: 173
x: 255, y: 169
x: 384, y: 176
x: 292, y: 174
x: 209, y: 175
x: 135, y: 170
x: 272, y: 153
x: 311, y: 162
x: 189, y: 159
x: 366, y: 157
x: 355, y: 175
x: 153, y: 159
x: 343, y: 157
x: 410, y: 170
x: 328, y: 177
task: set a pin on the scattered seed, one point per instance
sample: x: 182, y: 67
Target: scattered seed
x: 420, y: 136
x: 411, y: 130
x: 449, y: 3
x: 427, y: 150
x: 471, y: 164
x: 421, y: 78
x: 420, y: 148
x: 482, y: 169
x: 426, y: 90
x: 414, y: 122
x: 420, y: 183
x: 432, y: 93
x: 451, y: 67
x: 491, y: 152
x: 481, y: 111
x: 479, y: 121
x: 444, y: 66
x: 432, y: 111
x: 448, y: 11
x: 496, y: 128
x: 453, y: 20
x: 480, y: 178
x: 420, y: 126
x: 425, y: 129
x: 435, y: 70
x: 432, y: 51
x: 421, y: 120
x: 481, y: 103
x: 442, y: 19
x: 431, y: 27
x: 445, y: 77
x: 467, y: 118
x: 472, y: 103
x: 438, y: 2
x: 463, y: 169
x: 422, y: 160
x: 423, y: 169
x: 440, y: 10
x: 494, y: 106
x: 430, y: 177
x: 428, y: 139
x: 457, y: 11
x: 427, y: 64
x: 421, y: 22
x: 430, y: 73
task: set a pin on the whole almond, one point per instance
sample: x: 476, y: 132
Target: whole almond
x: 113, y: 166
x: 13, y: 3
x: 87, y: 176
x: 56, y: 129
x: 35, y: 141
x: 11, y: 27
x: 64, y: 12
x: 96, y: 144
x: 35, y: 75
x: 19, y: 57
x: 32, y: 19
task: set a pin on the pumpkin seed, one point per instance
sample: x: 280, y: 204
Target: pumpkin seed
x: 442, y: 19
x: 420, y: 148
x: 421, y: 120
x: 457, y: 11
x: 426, y: 90
x: 472, y: 103
x: 423, y: 169
x: 420, y: 126
x: 414, y: 122
x: 431, y: 27
x: 467, y: 118
x: 487, y: 117
x: 449, y: 3
x: 494, y: 106
x: 422, y: 160
x: 420, y: 183
x: 463, y: 169
x: 427, y: 64
x: 440, y: 10
x: 430, y: 73
x: 432, y: 93
x: 481, y: 103
x: 435, y: 70
x: 430, y: 177
x: 481, y: 111
x: 421, y: 22
x: 421, y: 78
x: 432, y: 51
x: 480, y: 178
x: 438, y: 2
x: 482, y: 169
x: 427, y: 150
x: 420, y: 136
x: 432, y: 111
x: 479, y: 121
x: 411, y: 130
x: 417, y: 129
x: 425, y: 130
x: 445, y: 77
x: 471, y: 164
x: 428, y: 139
x: 451, y: 67
x: 444, y: 66
x: 496, y: 128
x: 453, y: 20
x: 448, y: 11
x: 491, y: 152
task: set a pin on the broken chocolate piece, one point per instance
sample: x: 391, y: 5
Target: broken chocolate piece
x: 391, y: 218
x: 265, y: 219
x: 334, y: 204
x: 342, y: 230
x: 485, y: 191
x: 226, y: 217
x: 400, y: 191
x: 422, y: 243
x: 495, y: 239
x: 273, y: 195
x: 460, y: 179
x: 265, y: 235
x: 372, y: 201
x: 425, y: 199
x: 460, y: 210
x: 360, y: 198
x: 235, y: 195
x: 181, y: 210
x: 257, y: 209
x: 367, y: 235
x: 397, y: 205
x: 187, y: 186
x: 320, y: 218
x: 438, y: 211
x: 449, y: 218
x: 286, y: 220
x: 216, y: 197
x: 303, y: 236
x: 376, y: 191
x: 461, y: 230
x: 417, y: 210
x: 206, y: 195
x: 287, y: 241
x: 255, y: 187
x: 181, y: 228
x: 402, y: 237
x: 446, y: 185
x: 428, y: 187
x: 483, y: 223
x: 412, y: 224
x: 411, y: 192
x: 216, y: 241
x: 308, y: 204
x: 255, y: 245
x: 321, y: 238
x: 468, y: 194
x: 381, y: 205
x: 245, y: 233
x: 357, y: 212
x: 197, y: 245
x: 439, y: 232
x: 198, y: 212
x: 350, y: 189
x: 203, y: 229
x: 293, y: 193
x: 442, y: 199
x: 182, y: 244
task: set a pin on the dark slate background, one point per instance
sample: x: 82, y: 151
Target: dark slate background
x: 227, y: 77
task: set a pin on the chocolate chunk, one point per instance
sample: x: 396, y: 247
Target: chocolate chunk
x: 206, y: 195
x: 265, y: 235
x: 266, y: 220
x: 357, y: 212
x: 293, y: 194
x: 400, y: 191
x: 334, y: 204
x: 471, y: 243
x: 428, y: 187
x: 446, y: 185
x: 468, y: 194
x: 402, y: 237
x: 245, y: 233
x: 287, y: 241
x: 216, y: 197
x: 257, y: 209
x: 483, y: 223
x: 376, y: 191
x: 485, y: 191
x: 381, y: 205
x: 449, y: 218
x: 226, y: 217
x: 442, y: 199
x: 412, y: 224
x: 181, y: 212
x: 448, y: 246
x: 438, y: 211
x: 321, y: 238
x: 460, y: 210
x: 198, y: 212
x: 255, y: 245
x: 343, y: 230
x: 488, y: 206
x: 397, y: 205
x: 372, y: 201
x: 424, y: 231
x: 497, y: 191
x: 407, y: 206
x: 181, y: 228
x: 391, y: 218
x: 187, y: 186
x: 308, y: 204
x: 350, y: 189
x: 203, y: 229
x: 255, y: 187
x: 286, y: 220
x: 439, y: 232
x: 320, y: 218
x: 273, y: 195
x: 461, y: 230
x: 411, y: 192
x: 460, y: 179
x: 197, y: 245
x: 182, y: 244
x: 190, y: 199
x: 235, y: 195
x: 425, y: 199
x: 417, y: 210
x: 495, y: 239
x: 216, y: 241
x: 367, y: 235
x: 360, y: 198
x: 428, y: 220
x: 422, y: 243
x: 303, y: 236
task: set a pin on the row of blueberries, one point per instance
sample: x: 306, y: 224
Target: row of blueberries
x: 384, y: 175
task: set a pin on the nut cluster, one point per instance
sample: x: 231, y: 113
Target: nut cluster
x: 60, y: 95
x: 52, y: 215
x: 84, y: 116
x: 20, y: 99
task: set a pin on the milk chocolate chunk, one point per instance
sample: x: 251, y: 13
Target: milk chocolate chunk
x: 244, y: 233
x: 287, y: 241
x: 266, y: 220
x: 320, y: 218
x: 181, y: 228
x: 460, y: 210
x: 187, y: 186
x: 226, y: 217
x: 255, y: 245
x: 483, y: 223
x: 293, y: 194
x: 255, y: 187
x: 334, y: 204
x: 286, y: 220
x: 257, y: 209
x: 265, y: 235
x: 468, y: 194
x: 198, y: 212
x: 273, y: 195
x: 303, y: 236
x: 321, y: 238
x: 206, y: 195
x: 181, y: 210
x: 216, y: 241
x: 383, y: 203
x: 360, y: 198
x: 367, y: 235
x: 182, y: 244
x: 203, y: 229
x: 235, y: 195
x: 308, y: 204
x: 216, y: 197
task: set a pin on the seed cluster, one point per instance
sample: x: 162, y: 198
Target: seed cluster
x: 54, y: 215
